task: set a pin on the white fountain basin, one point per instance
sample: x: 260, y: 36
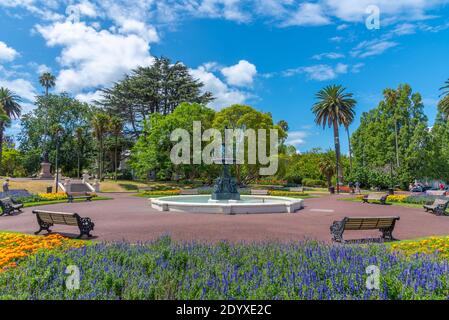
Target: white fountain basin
x: 247, y: 204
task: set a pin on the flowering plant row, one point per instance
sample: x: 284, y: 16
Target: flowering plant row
x: 167, y: 270
x: 14, y: 246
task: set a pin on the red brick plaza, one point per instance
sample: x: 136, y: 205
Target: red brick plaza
x: 131, y: 218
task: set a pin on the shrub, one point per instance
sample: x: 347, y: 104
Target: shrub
x: 313, y: 183
x: 277, y: 193
x: 423, y: 199
x: 272, y: 181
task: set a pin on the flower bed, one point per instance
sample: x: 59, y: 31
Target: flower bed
x: 167, y: 270
x: 41, y: 197
x: 14, y: 247
x: 161, y: 193
x: 432, y: 245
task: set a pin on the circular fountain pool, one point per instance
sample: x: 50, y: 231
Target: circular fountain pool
x: 246, y: 205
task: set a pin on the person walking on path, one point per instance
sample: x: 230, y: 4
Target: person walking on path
x: 6, y: 186
x: 357, y: 188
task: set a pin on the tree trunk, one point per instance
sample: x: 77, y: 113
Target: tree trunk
x: 337, y: 155
x: 2, y: 129
x: 350, y: 148
x: 397, y: 142
x: 115, y: 156
x: 78, y: 164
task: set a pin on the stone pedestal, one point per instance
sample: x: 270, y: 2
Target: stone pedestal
x: 96, y: 185
x: 45, y: 171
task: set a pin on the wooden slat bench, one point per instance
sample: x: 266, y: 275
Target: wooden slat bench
x: 259, y: 192
x: 383, y: 224
x: 438, y: 207
x: 47, y: 219
x: 382, y: 198
x: 8, y: 206
x: 71, y: 196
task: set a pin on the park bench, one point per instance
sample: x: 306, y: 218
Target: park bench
x: 8, y: 206
x: 189, y: 192
x: 438, y: 207
x: 71, y: 196
x: 47, y: 219
x: 258, y: 192
x: 383, y: 224
x: 382, y: 198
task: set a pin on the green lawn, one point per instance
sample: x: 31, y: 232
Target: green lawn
x: 44, y: 203
x: 49, y: 202
x: 400, y: 204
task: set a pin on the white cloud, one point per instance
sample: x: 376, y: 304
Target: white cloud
x: 7, y: 54
x: 242, y: 74
x: 355, y: 10
x: 372, y: 48
x: 336, y: 39
x: 297, y: 138
x: 328, y: 55
x: 320, y: 72
x: 308, y: 14
x: 23, y: 88
x: 89, y: 97
x: 92, y: 58
x: 130, y: 26
x: 357, y: 67
x: 404, y: 29
x: 225, y: 96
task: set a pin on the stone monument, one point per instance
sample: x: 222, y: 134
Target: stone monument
x: 45, y: 167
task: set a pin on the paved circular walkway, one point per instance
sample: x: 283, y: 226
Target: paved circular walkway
x: 131, y: 218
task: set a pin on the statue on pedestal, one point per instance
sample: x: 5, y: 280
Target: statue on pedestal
x: 45, y: 172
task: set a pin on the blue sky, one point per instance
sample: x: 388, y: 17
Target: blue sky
x: 273, y: 55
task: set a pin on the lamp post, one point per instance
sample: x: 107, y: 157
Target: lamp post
x: 58, y: 140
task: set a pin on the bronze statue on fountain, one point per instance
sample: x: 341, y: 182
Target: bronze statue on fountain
x: 225, y: 187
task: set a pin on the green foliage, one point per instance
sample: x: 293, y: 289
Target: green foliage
x: 152, y: 150
x: 12, y: 163
x: 398, y: 118
x: 157, y: 89
x: 37, y: 134
x: 313, y: 183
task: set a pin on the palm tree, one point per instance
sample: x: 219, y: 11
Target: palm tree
x: 11, y: 109
x: 391, y: 96
x: 327, y: 169
x: 100, y: 124
x: 346, y: 123
x: 445, y: 89
x: 444, y: 102
x: 47, y: 80
x: 444, y: 107
x: 331, y: 109
x: 116, y: 127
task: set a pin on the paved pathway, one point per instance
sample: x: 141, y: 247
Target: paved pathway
x: 130, y: 218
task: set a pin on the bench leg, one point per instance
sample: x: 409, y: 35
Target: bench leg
x: 86, y: 226
x: 337, y: 230
x: 42, y: 228
x: 387, y: 234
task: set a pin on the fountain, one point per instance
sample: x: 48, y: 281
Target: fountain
x: 226, y: 199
